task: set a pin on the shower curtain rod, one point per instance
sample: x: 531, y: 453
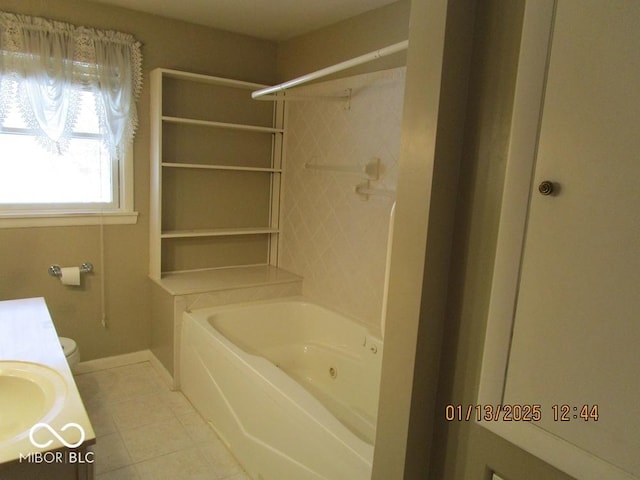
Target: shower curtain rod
x: 367, y: 57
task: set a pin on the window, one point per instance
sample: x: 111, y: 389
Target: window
x: 67, y: 119
x: 81, y: 178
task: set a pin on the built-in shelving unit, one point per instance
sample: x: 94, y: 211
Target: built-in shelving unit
x: 216, y: 171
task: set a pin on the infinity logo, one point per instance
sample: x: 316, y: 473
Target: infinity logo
x: 38, y: 426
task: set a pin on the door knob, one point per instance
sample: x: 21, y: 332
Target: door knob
x: 546, y: 187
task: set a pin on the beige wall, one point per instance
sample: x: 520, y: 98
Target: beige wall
x: 26, y: 253
x: 342, y: 41
x: 440, y: 39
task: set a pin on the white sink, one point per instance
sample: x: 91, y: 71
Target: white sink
x: 29, y: 393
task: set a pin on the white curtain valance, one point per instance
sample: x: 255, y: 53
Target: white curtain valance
x: 46, y: 64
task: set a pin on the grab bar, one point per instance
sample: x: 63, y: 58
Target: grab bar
x: 365, y: 190
x: 371, y: 169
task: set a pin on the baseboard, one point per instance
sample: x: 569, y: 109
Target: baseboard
x: 162, y: 371
x: 112, y: 362
x: 124, y: 360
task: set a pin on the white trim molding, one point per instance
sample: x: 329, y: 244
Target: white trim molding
x: 27, y: 220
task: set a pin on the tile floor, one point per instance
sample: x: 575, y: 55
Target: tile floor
x: 147, y: 432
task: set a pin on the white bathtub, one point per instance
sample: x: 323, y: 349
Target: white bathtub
x: 291, y: 387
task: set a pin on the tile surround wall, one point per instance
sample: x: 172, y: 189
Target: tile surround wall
x: 331, y: 236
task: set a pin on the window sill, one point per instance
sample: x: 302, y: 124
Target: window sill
x: 60, y: 219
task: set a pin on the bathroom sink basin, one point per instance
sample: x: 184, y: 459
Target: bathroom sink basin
x: 29, y: 393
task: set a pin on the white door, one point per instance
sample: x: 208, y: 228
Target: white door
x: 576, y: 333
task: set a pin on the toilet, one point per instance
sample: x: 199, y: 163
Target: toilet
x: 71, y: 351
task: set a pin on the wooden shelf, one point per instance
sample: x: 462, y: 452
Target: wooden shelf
x: 198, y: 77
x: 220, y: 167
x: 217, y: 279
x: 232, y: 126
x: 218, y: 232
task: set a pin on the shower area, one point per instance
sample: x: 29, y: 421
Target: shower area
x: 311, y: 217
x: 321, y: 238
x: 341, y: 173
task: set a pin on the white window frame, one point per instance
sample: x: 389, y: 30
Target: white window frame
x: 35, y: 215
x: 125, y: 214
x: 55, y: 214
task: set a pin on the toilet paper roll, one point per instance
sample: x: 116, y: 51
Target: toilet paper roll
x: 70, y: 275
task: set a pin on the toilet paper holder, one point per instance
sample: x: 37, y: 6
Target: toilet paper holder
x: 56, y: 270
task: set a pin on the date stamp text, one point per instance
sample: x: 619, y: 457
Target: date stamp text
x: 519, y: 412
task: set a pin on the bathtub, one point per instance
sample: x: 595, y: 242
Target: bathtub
x: 289, y: 386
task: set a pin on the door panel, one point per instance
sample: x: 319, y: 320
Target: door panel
x: 577, y: 322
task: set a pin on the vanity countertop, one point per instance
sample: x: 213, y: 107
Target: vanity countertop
x: 27, y: 334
